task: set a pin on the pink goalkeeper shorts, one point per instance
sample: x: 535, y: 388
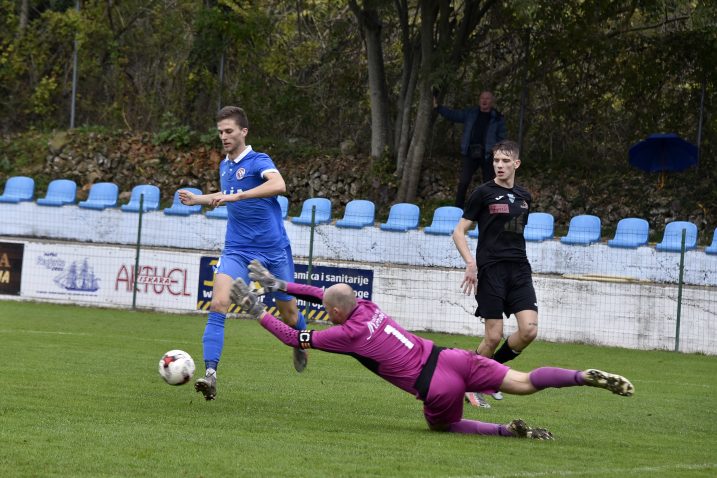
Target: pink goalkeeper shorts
x: 459, y: 371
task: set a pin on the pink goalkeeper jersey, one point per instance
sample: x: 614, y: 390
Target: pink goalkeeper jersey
x: 368, y: 335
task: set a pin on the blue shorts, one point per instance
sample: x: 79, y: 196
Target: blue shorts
x: 281, y: 265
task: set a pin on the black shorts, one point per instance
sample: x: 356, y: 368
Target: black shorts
x: 505, y: 287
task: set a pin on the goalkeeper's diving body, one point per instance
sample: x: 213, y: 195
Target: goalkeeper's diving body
x: 437, y: 376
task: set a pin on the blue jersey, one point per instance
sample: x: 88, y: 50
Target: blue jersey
x: 254, y: 224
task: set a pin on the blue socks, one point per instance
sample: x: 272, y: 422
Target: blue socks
x: 300, y: 322
x: 213, y: 339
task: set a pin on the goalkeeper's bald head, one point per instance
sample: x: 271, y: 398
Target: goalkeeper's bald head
x: 339, y: 302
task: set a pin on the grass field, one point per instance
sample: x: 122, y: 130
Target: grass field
x: 81, y: 397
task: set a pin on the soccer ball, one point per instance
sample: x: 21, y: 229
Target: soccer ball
x: 176, y: 367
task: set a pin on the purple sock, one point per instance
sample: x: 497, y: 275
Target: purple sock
x: 552, y: 377
x: 475, y: 427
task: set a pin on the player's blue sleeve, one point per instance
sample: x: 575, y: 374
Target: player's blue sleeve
x: 264, y: 164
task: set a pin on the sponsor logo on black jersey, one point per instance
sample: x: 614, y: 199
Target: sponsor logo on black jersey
x: 499, y: 209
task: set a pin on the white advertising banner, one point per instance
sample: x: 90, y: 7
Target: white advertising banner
x: 105, y: 276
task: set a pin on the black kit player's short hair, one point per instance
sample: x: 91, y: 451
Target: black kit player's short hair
x: 508, y: 147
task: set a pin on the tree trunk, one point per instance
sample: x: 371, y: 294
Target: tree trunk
x: 371, y: 28
x: 403, y: 124
x: 403, y: 104
x: 379, y: 95
x: 410, y: 178
x: 24, y: 12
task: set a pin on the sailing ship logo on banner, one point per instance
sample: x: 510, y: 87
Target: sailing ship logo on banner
x: 79, y: 279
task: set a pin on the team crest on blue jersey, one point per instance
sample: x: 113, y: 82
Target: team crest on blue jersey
x: 512, y: 198
x: 240, y: 173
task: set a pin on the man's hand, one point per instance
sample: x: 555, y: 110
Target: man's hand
x: 470, y: 280
x: 243, y: 297
x: 222, y: 199
x: 258, y: 273
x: 187, y: 198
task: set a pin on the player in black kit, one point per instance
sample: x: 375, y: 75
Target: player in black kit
x: 500, y: 274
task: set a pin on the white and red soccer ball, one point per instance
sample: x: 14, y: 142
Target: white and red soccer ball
x: 176, y: 367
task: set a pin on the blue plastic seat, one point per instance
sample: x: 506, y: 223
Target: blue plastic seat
x: 672, y: 238
x: 540, y: 227
x: 59, y: 193
x: 474, y: 233
x: 583, y: 230
x: 712, y: 248
x: 284, y: 204
x: 323, y: 212
x: 219, y: 212
x: 444, y: 220
x: 151, y: 198
x: 632, y: 232
x: 358, y: 213
x: 18, y: 188
x: 402, y: 217
x: 102, y: 195
x: 179, y: 209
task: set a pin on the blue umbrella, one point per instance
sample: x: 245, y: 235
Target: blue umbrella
x: 663, y: 152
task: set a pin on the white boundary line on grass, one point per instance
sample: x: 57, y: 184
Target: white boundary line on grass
x: 703, y: 385
x: 52, y: 332
x: 630, y: 471
x: 87, y: 334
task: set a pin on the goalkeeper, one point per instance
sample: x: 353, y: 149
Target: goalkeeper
x: 435, y: 375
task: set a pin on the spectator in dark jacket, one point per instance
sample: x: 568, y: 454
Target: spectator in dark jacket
x: 483, y: 127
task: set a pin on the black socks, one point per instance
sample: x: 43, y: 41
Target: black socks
x: 505, y: 353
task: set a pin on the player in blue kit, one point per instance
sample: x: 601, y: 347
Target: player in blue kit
x: 249, y: 183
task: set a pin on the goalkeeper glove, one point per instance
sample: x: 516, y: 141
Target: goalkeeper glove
x: 258, y: 273
x: 242, y: 296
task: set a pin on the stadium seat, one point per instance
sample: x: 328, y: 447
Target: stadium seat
x: 151, y: 198
x: 323, y: 212
x: 540, y: 227
x: 179, y: 209
x: 219, y: 212
x: 712, y: 248
x: 18, y: 188
x: 402, y: 217
x: 672, y: 238
x: 284, y: 204
x: 474, y: 233
x: 632, y: 232
x: 59, y: 193
x: 102, y: 195
x: 444, y: 220
x: 358, y: 213
x: 583, y: 230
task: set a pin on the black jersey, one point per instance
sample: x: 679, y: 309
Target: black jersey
x: 501, y: 214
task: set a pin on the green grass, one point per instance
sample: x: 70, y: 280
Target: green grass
x: 81, y: 397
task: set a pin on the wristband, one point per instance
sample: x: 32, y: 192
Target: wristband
x: 305, y: 339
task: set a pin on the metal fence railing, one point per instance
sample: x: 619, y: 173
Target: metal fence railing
x: 639, y: 297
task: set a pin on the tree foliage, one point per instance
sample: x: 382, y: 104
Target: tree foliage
x: 577, y: 81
